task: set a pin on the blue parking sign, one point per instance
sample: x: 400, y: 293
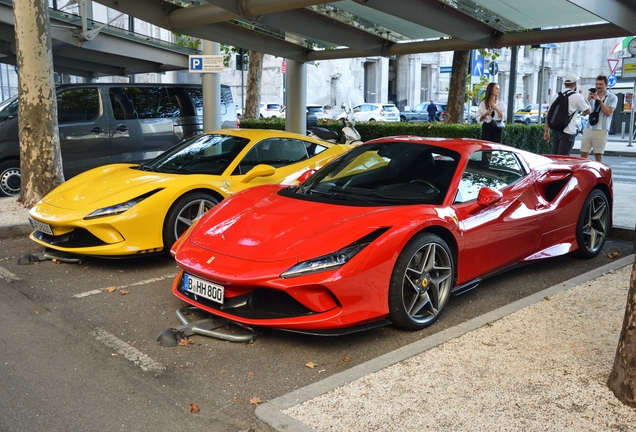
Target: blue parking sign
x: 477, y: 67
x: 196, y: 63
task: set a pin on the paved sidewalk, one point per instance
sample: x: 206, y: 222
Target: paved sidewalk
x: 538, y: 364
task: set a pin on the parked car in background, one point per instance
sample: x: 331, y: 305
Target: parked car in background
x: 314, y: 109
x: 420, y: 114
x: 132, y: 210
x: 530, y: 114
x: 318, y: 111
x: 270, y: 110
x: 108, y: 123
x: 470, y: 114
x: 374, y: 112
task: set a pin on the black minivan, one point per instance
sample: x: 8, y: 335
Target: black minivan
x: 110, y: 123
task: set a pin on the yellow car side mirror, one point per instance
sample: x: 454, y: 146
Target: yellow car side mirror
x: 260, y: 170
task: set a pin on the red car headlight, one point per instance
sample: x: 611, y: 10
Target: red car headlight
x: 334, y: 260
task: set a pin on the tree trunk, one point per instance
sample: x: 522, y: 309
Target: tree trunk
x: 622, y: 379
x: 40, y: 156
x: 253, y: 91
x: 457, y: 88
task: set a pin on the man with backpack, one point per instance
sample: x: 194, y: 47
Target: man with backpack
x: 561, y: 116
x: 597, y: 128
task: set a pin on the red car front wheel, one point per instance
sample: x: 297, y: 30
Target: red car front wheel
x: 421, y: 282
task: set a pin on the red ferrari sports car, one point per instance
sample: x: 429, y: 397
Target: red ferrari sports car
x: 386, y: 232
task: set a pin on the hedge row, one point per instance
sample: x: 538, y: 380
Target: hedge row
x: 515, y: 135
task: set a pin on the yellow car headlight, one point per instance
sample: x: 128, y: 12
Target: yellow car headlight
x: 119, y: 208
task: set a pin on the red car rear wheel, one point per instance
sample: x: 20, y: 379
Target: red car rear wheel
x: 593, y: 224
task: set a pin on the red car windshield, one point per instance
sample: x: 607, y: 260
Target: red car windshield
x: 391, y: 173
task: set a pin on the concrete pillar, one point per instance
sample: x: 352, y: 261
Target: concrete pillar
x: 296, y: 89
x: 211, y: 91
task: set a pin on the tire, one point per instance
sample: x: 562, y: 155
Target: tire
x: 183, y: 213
x: 403, y: 119
x: 593, y: 224
x: 421, y: 282
x: 10, y: 178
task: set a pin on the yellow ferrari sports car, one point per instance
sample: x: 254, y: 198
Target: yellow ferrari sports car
x: 131, y: 209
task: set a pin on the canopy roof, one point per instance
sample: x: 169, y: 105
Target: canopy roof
x: 311, y: 30
x: 307, y: 30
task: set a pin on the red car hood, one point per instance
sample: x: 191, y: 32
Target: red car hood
x: 277, y: 228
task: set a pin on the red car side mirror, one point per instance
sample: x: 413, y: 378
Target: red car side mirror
x: 304, y: 176
x: 488, y: 196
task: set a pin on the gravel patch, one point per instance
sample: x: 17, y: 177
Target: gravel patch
x: 12, y: 212
x: 542, y: 368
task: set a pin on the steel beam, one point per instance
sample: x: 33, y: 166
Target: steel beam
x: 438, y: 16
x: 614, y: 11
x: 569, y: 34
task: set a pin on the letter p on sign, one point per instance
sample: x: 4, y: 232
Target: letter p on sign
x: 196, y: 63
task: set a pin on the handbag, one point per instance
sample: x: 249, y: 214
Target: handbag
x: 593, y: 119
x: 499, y: 124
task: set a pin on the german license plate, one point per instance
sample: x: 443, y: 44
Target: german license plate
x: 40, y: 226
x: 203, y: 288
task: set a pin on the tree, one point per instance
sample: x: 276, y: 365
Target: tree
x: 457, y: 87
x: 253, y: 91
x: 40, y: 155
x: 254, y: 62
x: 622, y: 379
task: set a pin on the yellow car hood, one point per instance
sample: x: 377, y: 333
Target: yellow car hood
x: 107, y: 185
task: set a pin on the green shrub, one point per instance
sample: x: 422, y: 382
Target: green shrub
x: 525, y: 137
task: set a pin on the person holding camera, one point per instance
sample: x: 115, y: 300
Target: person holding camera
x: 491, y: 113
x: 598, y: 124
x: 563, y: 140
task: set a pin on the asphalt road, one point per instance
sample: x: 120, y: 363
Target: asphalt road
x: 74, y: 356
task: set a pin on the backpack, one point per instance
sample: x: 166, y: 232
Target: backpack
x: 558, y: 116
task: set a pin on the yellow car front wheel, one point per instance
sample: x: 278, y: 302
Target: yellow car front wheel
x: 182, y: 215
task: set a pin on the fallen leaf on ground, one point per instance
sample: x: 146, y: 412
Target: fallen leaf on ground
x: 194, y: 409
x: 185, y: 341
x: 255, y: 400
x: 614, y: 255
x: 251, y: 373
x: 124, y: 292
x: 110, y: 289
x: 311, y: 365
x: 346, y: 359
